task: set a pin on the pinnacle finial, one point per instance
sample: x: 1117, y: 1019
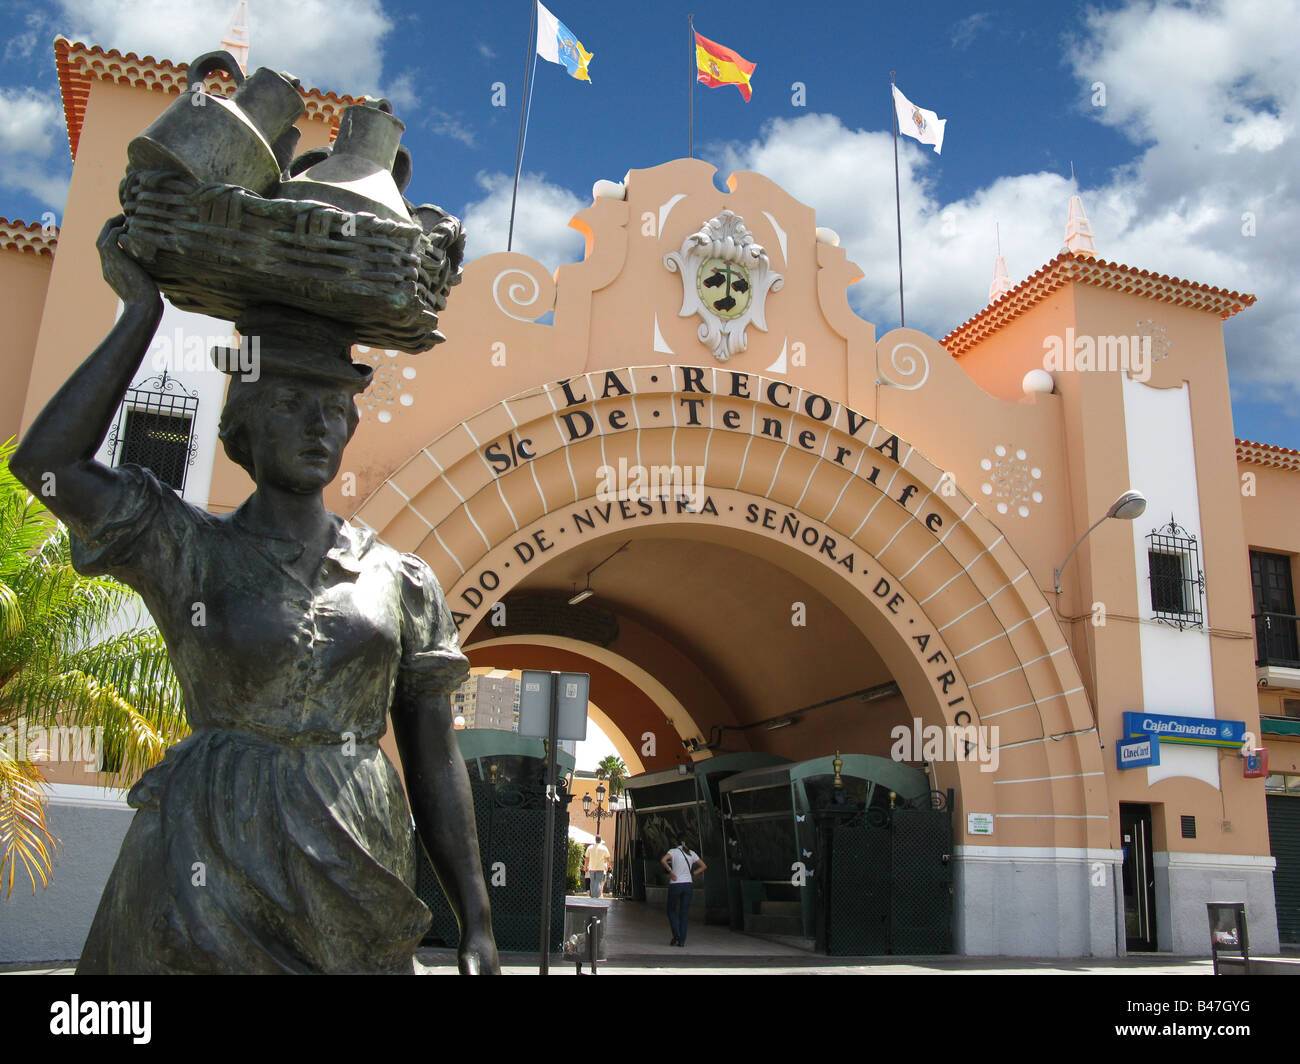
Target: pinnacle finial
x: 1078, y: 231
x: 235, y: 40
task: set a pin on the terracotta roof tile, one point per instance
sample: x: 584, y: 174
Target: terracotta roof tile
x: 79, y: 65
x: 1266, y: 454
x: 23, y: 236
x: 1069, y: 268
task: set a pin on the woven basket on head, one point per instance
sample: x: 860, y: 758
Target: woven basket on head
x: 218, y: 249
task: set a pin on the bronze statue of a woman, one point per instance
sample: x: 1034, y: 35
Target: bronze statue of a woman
x: 276, y: 838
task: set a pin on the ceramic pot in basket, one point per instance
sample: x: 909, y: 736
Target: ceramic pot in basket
x: 356, y: 173
x: 242, y: 141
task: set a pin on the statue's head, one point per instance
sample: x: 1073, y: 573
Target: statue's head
x: 290, y: 411
x: 288, y: 431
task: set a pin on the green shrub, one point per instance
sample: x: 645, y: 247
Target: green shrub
x: 573, y: 877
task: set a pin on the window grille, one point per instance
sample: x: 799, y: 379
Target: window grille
x: 1177, y: 582
x: 155, y: 429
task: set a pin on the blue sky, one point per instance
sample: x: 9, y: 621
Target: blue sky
x: 1195, y: 128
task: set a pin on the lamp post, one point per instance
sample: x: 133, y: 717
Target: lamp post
x: 1129, y: 506
x: 600, y: 812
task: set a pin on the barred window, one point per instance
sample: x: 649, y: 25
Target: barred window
x: 155, y: 429
x: 1177, y: 582
x: 1167, y: 586
x: 160, y: 443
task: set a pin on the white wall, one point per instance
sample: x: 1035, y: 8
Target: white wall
x: 1177, y: 676
x: 181, y: 347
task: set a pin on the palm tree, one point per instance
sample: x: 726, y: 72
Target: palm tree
x: 612, y: 768
x: 66, y: 663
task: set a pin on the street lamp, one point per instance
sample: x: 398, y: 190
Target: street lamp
x: 599, y: 806
x: 1128, y: 507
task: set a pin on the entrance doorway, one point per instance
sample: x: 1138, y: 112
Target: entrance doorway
x: 1139, y: 879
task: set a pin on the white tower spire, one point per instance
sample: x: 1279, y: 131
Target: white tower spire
x: 1078, y: 231
x: 1001, y: 275
x: 236, y: 39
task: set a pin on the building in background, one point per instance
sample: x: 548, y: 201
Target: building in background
x: 488, y: 700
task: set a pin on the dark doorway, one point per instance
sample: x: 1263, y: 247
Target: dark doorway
x: 1139, y: 878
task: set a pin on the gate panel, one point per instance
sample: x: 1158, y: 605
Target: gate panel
x: 858, y: 920
x: 922, y: 880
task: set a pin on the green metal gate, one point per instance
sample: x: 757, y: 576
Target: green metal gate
x: 887, y: 878
x: 511, y: 821
x: 1284, y: 844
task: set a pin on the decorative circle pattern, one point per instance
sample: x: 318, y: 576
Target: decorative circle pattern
x: 391, y: 387
x: 1159, y: 335
x: 1011, y: 481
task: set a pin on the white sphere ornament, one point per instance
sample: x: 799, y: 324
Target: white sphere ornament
x: 608, y: 190
x: 1038, y: 382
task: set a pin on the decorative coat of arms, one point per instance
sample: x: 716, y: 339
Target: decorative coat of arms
x: 725, y: 280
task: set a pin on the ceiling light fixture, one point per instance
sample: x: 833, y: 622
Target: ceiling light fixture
x: 588, y: 591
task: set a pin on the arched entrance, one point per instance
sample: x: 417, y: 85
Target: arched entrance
x: 807, y: 498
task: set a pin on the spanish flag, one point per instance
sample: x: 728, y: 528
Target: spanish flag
x: 719, y: 65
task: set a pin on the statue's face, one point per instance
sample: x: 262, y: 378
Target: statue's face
x: 302, y: 427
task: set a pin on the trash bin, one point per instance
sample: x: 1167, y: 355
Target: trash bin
x: 577, y: 912
x: 1228, y: 934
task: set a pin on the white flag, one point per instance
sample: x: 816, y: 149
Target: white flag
x: 917, y: 122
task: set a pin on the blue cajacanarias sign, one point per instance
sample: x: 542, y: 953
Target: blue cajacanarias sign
x: 1192, y: 731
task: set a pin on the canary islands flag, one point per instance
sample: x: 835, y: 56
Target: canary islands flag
x: 557, y: 44
x: 719, y: 65
x: 917, y: 122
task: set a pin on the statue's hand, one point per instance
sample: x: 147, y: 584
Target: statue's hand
x: 478, y: 953
x: 126, y: 276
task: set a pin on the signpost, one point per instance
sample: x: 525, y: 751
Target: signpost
x: 552, y: 706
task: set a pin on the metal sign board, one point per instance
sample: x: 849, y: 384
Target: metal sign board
x: 1137, y: 753
x: 1255, y: 764
x: 1192, y: 731
x: 535, y: 703
x: 979, y: 823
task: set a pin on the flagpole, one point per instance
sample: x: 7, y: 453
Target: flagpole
x: 898, y: 210
x: 690, y: 91
x: 529, y: 60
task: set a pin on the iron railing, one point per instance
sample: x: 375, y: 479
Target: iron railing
x: 1277, y: 639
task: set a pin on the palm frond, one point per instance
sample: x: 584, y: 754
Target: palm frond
x: 24, y: 836
x: 69, y: 660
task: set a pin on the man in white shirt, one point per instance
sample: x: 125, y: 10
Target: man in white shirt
x: 682, y: 865
x: 597, y: 863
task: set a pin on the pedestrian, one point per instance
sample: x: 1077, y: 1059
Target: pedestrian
x: 682, y: 865
x: 596, y: 865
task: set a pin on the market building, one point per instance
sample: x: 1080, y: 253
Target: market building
x: 803, y: 535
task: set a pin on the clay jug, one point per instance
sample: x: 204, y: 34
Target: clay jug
x: 232, y: 141
x: 356, y: 174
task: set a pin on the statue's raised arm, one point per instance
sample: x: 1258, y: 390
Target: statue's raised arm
x: 56, y: 459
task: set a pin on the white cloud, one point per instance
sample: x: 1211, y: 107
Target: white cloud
x: 330, y: 46
x: 1210, y: 94
x: 948, y: 248
x: 31, y: 126
x: 542, y: 217
x: 964, y: 32
x: 448, y: 125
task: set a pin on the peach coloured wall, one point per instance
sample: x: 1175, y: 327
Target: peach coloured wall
x: 24, y: 278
